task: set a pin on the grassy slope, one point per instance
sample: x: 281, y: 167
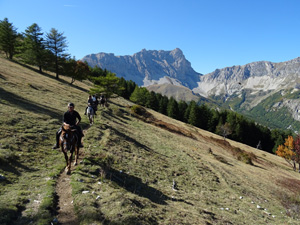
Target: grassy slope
x: 130, y: 164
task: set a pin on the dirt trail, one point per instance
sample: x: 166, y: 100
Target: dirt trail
x: 65, y: 209
x: 66, y: 214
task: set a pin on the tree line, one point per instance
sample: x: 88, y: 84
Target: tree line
x: 227, y: 123
x: 48, y: 52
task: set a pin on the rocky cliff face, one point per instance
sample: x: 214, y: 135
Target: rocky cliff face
x: 256, y: 76
x: 265, y: 89
x: 149, y: 67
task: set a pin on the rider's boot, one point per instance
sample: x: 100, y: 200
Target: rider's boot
x: 57, y: 140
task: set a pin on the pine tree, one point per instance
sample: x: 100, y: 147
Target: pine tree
x: 130, y: 88
x: 8, y: 38
x: 182, y: 106
x: 152, y: 102
x: 106, y: 85
x: 163, y: 103
x: 57, y: 44
x: 33, y: 48
x: 194, y: 114
x: 172, y: 108
x: 139, y: 95
x: 123, y: 84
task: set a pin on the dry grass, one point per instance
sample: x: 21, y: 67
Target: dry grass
x: 145, y: 169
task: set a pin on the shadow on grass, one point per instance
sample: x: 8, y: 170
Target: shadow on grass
x: 28, y: 105
x: 2, y: 77
x: 13, y: 166
x: 7, y: 216
x: 136, y: 186
x: 131, y: 140
x: 49, y: 76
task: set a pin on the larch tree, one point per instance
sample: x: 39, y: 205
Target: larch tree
x: 33, y: 48
x: 8, y: 38
x: 56, y: 42
x: 287, y: 151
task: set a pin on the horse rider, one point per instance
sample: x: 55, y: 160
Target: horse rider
x: 72, y: 118
x: 91, y: 102
x: 95, y: 103
x: 102, y: 99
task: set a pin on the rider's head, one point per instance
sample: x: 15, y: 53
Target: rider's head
x: 71, y: 106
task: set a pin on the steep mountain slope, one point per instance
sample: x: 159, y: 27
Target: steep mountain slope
x: 254, y: 89
x: 135, y: 168
x: 149, y: 67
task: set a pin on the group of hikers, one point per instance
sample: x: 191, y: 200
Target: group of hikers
x: 73, y: 118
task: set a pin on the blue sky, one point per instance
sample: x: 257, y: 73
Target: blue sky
x: 212, y: 34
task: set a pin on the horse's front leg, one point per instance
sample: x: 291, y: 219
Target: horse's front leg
x: 69, y: 163
x: 76, y: 155
x: 66, y: 156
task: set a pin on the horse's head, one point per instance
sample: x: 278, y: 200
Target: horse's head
x: 67, y: 137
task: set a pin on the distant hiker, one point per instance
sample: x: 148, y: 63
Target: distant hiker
x: 102, y: 100
x: 72, y: 118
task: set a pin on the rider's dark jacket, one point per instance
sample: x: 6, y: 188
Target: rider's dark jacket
x: 71, y: 118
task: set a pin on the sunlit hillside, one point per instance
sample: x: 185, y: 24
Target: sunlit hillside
x: 137, y: 166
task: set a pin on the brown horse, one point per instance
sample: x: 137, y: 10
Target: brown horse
x: 68, y: 142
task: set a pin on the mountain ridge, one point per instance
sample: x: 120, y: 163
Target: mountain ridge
x: 149, y: 67
x: 242, y: 88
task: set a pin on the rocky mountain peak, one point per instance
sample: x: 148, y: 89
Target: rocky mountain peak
x: 149, y: 67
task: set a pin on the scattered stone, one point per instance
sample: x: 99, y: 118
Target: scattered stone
x: 85, y: 192
x: 99, y: 182
x: 81, y: 162
x: 174, y: 186
x: 72, y: 202
x: 222, y: 208
x: 2, y: 177
x: 97, y: 197
x: 241, y: 197
x: 259, y: 207
x: 252, y: 202
x: 227, y: 209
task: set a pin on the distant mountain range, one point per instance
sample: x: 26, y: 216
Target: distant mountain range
x: 265, y: 91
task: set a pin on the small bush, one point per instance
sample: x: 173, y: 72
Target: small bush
x: 243, y: 156
x: 138, y: 110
